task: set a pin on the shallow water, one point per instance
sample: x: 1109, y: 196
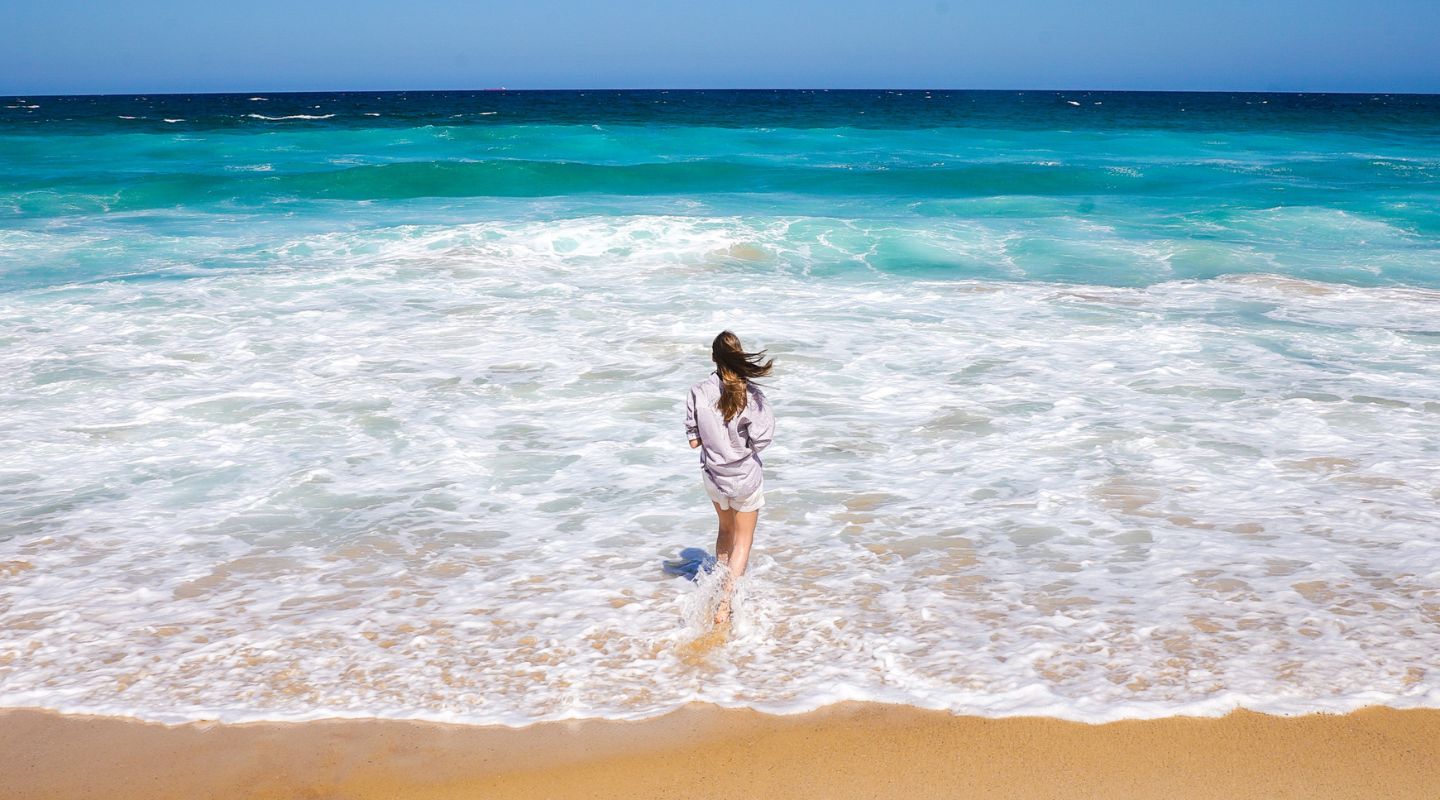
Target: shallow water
x: 1154, y: 434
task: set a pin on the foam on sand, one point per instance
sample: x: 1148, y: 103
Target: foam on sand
x: 365, y: 484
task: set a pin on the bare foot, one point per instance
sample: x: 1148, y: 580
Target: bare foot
x: 722, y: 613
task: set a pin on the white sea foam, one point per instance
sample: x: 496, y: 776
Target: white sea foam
x: 290, y: 116
x: 430, y: 472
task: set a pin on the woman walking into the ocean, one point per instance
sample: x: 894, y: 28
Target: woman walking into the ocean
x: 729, y: 418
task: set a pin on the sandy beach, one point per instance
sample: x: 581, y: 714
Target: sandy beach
x: 849, y: 750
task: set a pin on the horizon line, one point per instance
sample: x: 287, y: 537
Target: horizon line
x: 508, y: 90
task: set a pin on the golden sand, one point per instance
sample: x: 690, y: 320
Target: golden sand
x: 851, y: 750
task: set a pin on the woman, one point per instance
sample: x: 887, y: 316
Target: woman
x: 729, y: 419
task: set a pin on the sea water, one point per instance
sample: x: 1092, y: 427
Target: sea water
x: 1089, y: 405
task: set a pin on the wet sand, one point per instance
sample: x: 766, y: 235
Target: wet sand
x: 851, y: 750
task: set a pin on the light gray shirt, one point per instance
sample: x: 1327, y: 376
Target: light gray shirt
x: 729, y: 452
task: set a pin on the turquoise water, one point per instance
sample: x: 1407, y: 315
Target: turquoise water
x: 1112, y: 188
x: 1090, y: 405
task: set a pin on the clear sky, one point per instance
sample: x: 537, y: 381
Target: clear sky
x: 152, y: 46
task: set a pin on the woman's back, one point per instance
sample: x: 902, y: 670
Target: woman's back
x: 729, y: 451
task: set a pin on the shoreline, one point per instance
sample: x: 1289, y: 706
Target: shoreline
x: 850, y: 749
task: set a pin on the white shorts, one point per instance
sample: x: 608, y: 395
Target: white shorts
x: 751, y: 503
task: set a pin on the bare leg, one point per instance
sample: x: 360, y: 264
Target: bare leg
x: 741, y: 537
x: 723, y: 542
x: 726, y: 530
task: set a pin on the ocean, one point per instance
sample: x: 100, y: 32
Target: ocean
x: 1092, y: 405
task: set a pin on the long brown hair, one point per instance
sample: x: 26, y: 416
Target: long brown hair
x: 735, y: 367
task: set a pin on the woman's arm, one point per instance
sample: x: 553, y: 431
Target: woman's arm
x: 692, y: 428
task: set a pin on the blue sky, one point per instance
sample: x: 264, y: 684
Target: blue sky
x: 75, y: 46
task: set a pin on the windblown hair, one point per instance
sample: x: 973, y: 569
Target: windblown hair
x: 736, y: 367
